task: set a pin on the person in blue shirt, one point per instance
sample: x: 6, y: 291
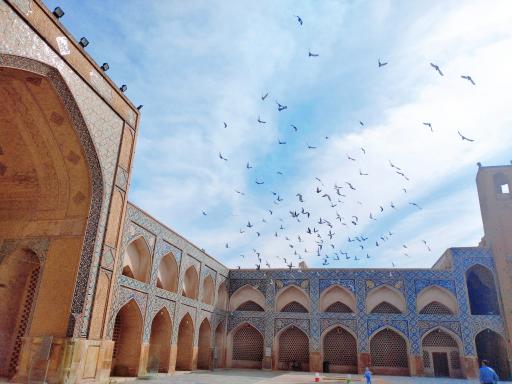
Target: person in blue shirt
x: 487, y: 374
x: 368, y: 375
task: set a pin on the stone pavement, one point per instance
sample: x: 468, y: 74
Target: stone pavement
x: 241, y: 376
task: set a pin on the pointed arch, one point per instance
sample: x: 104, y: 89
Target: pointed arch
x: 446, y: 347
x: 389, y: 352
x: 481, y: 287
x: 290, y: 294
x: 492, y: 346
x: 436, y: 300
x: 127, y: 337
x: 167, y: 277
x: 385, y: 294
x: 184, y: 354
x: 219, y: 343
x: 245, y: 347
x: 339, y: 348
x: 203, y: 347
x: 137, y: 260
x: 222, y: 297
x: 190, y: 283
x: 208, y: 290
x: 160, y: 342
x: 337, y: 299
x: 244, y: 294
x: 292, y: 349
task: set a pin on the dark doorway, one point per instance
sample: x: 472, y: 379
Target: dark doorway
x: 441, y: 368
x: 492, y: 347
x: 483, y: 299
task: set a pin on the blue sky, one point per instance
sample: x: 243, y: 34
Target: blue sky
x: 197, y: 64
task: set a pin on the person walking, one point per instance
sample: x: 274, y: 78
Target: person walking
x: 368, y: 375
x: 487, y: 374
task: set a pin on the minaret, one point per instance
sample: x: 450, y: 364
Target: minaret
x: 494, y: 186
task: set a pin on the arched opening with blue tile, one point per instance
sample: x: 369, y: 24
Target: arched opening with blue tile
x: 441, y: 353
x: 385, y: 299
x: 247, y: 298
x: 339, y: 349
x: 160, y: 342
x: 389, y: 353
x: 492, y: 347
x: 337, y: 299
x: 481, y: 286
x: 245, y: 347
x: 292, y: 299
x: 292, y: 349
x: 435, y: 300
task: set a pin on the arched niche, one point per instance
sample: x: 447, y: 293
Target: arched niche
x: 160, y: 342
x: 167, y: 277
x: 337, y: 299
x: 51, y: 191
x: 244, y: 294
x: 389, y: 352
x: 222, y: 297
x: 339, y: 348
x: 245, y: 347
x: 436, y: 300
x: 491, y: 346
x: 208, y: 290
x: 219, y: 351
x: 249, y: 306
x: 203, y: 346
x: 190, y: 283
x: 483, y: 298
x: 291, y: 294
x: 185, y: 350
x: 441, y: 353
x: 137, y: 260
x: 292, y: 349
x: 127, y: 338
x: 385, y: 294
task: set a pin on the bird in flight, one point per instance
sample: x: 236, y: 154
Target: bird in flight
x: 222, y: 157
x: 299, y: 19
x: 204, y: 213
x: 468, y: 78
x: 261, y: 121
x: 281, y: 142
x: 294, y: 127
x: 416, y: 205
x: 362, y: 173
x: 259, y: 182
x: 363, y: 150
x: 464, y: 137
x: 240, y: 193
x: 225, y: 125
x: 381, y: 63
x: 313, y: 54
x: 249, y: 225
x: 264, y: 96
x: 300, y: 197
x: 350, y: 158
x: 248, y: 166
x: 436, y: 67
x: 280, y: 107
x: 430, y: 126
x: 361, y: 123
x: 311, y: 147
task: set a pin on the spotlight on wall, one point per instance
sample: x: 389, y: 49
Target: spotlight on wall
x: 105, y: 67
x: 83, y: 42
x: 139, y: 108
x: 123, y: 88
x: 58, y: 12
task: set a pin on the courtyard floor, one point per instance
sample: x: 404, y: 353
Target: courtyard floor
x: 240, y: 376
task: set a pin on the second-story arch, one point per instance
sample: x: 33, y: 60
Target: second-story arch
x: 247, y: 294
x: 190, y: 286
x: 482, y: 295
x: 208, y: 290
x: 137, y: 260
x: 435, y: 300
x: 385, y: 299
x: 337, y: 299
x: 222, y: 297
x: 167, y: 277
x: 292, y: 299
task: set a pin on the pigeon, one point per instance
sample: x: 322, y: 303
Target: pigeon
x: 204, y: 213
x: 464, y: 137
x: 468, y: 78
x: 299, y: 19
x: 264, y: 96
x: 248, y: 166
x: 281, y: 107
x: 261, y: 121
x: 225, y: 125
x: 259, y: 182
x: 294, y: 127
x: 430, y: 126
x: 313, y: 54
x: 436, y: 67
x: 222, y: 157
x: 381, y: 64
x: 281, y: 142
x: 311, y: 147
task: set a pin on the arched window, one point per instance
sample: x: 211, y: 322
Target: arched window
x: 222, y: 296
x: 441, y: 354
x: 388, y: 351
x: 245, y: 294
x: 293, y: 350
x: 208, y: 290
x: 190, y: 283
x: 482, y: 291
x: 160, y: 342
x: 435, y: 300
x: 385, y: 299
x: 340, y: 350
x: 219, y: 354
x: 168, y: 273
x: 203, y: 348
x: 247, y: 349
x: 185, y: 344
x: 249, y: 306
x: 137, y: 260
x: 294, y: 307
x: 337, y: 299
x: 289, y: 295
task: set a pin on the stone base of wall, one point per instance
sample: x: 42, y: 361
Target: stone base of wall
x: 70, y: 360
x: 470, y: 368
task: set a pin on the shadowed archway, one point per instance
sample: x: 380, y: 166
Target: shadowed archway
x: 160, y: 342
x: 185, y: 344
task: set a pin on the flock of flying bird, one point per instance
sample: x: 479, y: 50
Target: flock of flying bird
x: 323, y: 232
